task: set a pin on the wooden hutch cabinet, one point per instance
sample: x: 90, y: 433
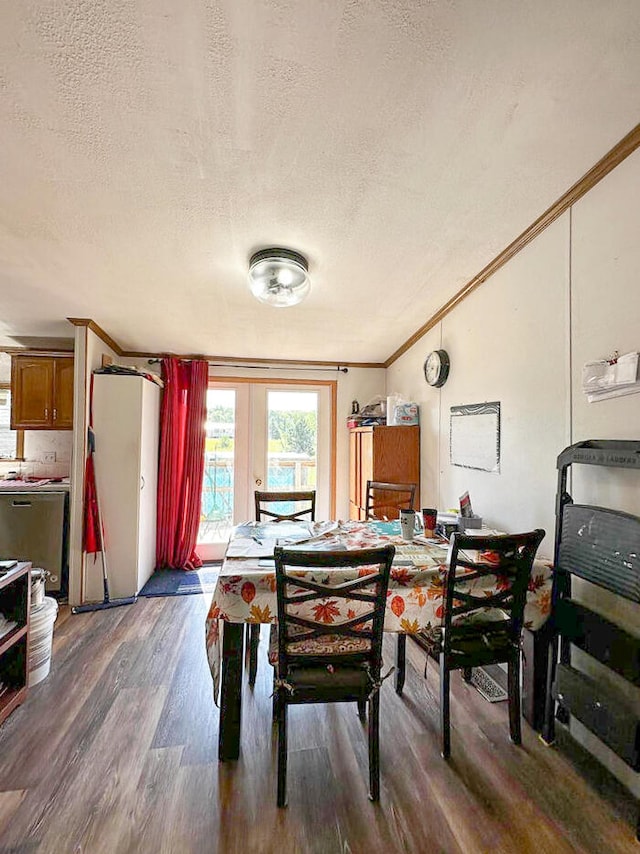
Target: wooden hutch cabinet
x: 382, y: 453
x: 14, y: 642
x: 41, y: 392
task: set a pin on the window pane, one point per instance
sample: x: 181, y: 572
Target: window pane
x: 216, y: 515
x: 8, y: 438
x: 292, y: 442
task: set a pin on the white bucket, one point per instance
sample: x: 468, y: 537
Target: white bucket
x: 41, y: 639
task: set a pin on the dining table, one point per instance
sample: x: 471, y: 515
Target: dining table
x: 245, y: 593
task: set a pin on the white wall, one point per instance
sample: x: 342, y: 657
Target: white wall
x: 606, y: 311
x: 506, y: 343
x: 521, y: 338
x: 85, y: 576
x: 361, y: 384
x: 406, y: 377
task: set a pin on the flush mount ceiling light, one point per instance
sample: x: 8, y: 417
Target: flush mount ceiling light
x: 279, y: 277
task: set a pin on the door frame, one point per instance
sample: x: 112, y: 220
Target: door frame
x: 332, y: 385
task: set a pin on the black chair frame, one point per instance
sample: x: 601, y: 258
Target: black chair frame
x: 343, y: 675
x: 264, y: 514
x: 469, y: 637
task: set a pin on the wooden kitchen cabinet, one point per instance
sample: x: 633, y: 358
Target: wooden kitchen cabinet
x: 41, y: 392
x: 383, y: 453
x: 15, y: 600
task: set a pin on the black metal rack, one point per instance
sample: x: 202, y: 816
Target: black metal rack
x: 601, y: 546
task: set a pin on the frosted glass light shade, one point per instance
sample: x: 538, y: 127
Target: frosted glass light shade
x: 279, y: 277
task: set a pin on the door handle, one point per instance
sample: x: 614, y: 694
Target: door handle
x: 16, y: 503
x: 141, y: 482
x: 55, y: 414
x: 258, y: 482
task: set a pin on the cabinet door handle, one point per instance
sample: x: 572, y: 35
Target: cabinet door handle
x: 141, y: 482
x: 55, y: 414
x: 46, y: 414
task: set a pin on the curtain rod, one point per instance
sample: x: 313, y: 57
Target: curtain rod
x: 339, y: 368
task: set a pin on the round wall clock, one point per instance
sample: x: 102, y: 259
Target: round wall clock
x: 436, y: 368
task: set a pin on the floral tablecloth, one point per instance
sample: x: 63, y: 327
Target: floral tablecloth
x: 246, y: 588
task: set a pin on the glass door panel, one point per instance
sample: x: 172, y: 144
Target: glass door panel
x: 216, y: 514
x: 264, y: 436
x: 292, y: 443
x: 224, y: 482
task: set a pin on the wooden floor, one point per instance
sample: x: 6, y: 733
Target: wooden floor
x: 116, y: 751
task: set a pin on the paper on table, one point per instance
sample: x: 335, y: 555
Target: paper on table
x: 272, y: 530
x: 250, y: 547
x: 430, y: 541
x: 323, y: 544
x: 483, y: 532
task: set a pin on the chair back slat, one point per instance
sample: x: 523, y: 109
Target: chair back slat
x: 505, y: 562
x: 384, y: 500
x: 264, y: 502
x: 312, y: 630
x: 330, y: 606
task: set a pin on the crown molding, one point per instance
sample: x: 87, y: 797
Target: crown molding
x: 97, y: 330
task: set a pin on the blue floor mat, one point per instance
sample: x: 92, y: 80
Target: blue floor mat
x: 178, y: 582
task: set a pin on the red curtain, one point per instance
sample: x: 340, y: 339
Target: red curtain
x: 182, y: 443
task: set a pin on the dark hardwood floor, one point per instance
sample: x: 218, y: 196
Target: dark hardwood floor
x: 116, y: 751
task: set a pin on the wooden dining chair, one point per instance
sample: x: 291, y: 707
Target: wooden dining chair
x: 385, y: 500
x: 483, y: 612
x: 266, y: 511
x: 336, y: 661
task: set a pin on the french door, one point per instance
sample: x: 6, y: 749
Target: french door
x: 264, y: 435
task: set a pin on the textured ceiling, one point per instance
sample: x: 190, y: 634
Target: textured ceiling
x: 150, y: 146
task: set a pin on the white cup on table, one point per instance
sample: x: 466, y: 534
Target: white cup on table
x: 409, y: 524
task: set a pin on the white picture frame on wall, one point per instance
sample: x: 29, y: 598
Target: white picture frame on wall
x: 474, y: 436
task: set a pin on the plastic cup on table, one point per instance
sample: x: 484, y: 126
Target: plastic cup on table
x: 429, y: 516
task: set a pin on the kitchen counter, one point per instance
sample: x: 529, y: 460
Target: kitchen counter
x: 41, y: 485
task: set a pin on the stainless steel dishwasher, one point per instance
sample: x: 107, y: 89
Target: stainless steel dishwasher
x: 32, y: 527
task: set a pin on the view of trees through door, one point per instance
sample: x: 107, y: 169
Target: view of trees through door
x: 292, y: 443
x: 216, y: 514
x: 258, y: 437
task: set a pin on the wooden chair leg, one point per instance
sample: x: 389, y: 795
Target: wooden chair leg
x: 362, y: 710
x: 254, y: 640
x: 513, y: 687
x: 401, y: 662
x: 282, y: 752
x: 445, y: 722
x: 467, y: 673
x: 374, y: 746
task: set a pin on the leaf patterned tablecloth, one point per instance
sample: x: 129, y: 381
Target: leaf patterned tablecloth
x: 246, y: 588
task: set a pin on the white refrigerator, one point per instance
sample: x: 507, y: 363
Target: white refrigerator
x: 126, y: 424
